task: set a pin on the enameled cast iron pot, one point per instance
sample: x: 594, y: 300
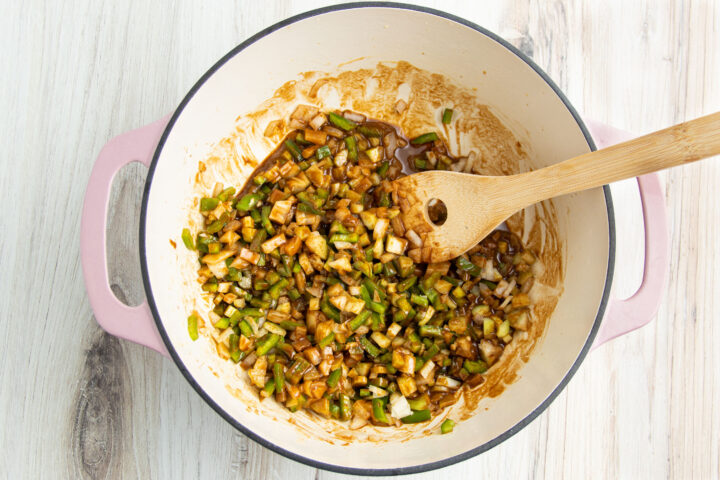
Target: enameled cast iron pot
x: 585, y: 315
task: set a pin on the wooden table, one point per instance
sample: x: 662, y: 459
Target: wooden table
x: 78, y: 403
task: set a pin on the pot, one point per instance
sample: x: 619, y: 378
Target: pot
x: 513, y: 86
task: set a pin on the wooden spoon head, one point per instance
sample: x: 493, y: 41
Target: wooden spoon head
x: 475, y: 207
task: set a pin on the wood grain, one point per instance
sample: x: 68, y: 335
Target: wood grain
x: 76, y: 403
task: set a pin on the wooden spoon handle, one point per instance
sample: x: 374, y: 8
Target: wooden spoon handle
x: 677, y: 145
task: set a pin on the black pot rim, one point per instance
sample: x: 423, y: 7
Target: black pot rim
x: 306, y: 460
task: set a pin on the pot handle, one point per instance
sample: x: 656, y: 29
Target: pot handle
x: 132, y: 323
x: 623, y: 316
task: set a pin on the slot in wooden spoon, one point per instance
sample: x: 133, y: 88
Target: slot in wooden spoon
x: 476, y: 204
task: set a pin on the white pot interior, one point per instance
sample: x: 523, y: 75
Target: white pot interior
x: 516, y: 93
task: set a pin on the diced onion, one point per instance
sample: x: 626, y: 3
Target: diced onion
x: 390, y: 141
x: 355, y: 117
x: 445, y: 381
x: 377, y: 392
x: 507, y: 301
x: 399, y: 406
x: 427, y: 369
x: 318, y: 121
x: 414, y: 238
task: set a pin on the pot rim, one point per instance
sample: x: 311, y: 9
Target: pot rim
x: 307, y: 460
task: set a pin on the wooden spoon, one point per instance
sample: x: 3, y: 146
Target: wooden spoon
x: 476, y: 204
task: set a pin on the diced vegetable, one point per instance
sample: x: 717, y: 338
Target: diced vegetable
x: 424, y: 138
x: 207, y: 204
x: 193, y: 327
x: 378, y: 411
x: 294, y: 150
x: 322, y: 152
x: 395, y: 245
x: 317, y: 290
x: 341, y: 122
x: 266, y: 344
x: 187, y: 239
x: 417, y: 417
x: 334, y: 378
x: 327, y: 340
x: 317, y: 244
x: 279, y: 377
x: 371, y: 349
x: 374, y: 154
x: 360, y: 320
x: 248, y: 202
x: 475, y: 366
x: 275, y: 242
x: 399, y: 406
x: 466, y: 265
x: 447, y: 426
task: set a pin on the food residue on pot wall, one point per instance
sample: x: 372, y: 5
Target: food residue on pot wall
x: 375, y: 92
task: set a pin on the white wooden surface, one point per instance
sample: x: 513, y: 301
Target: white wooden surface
x: 77, y: 403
